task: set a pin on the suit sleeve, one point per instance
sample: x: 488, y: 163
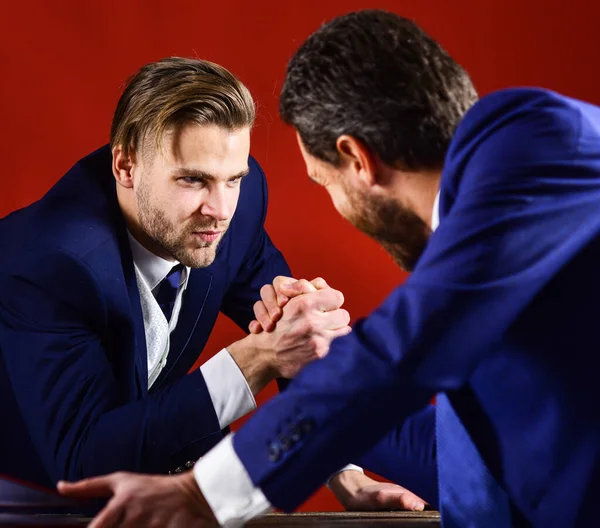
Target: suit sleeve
x: 406, y: 455
x: 54, y: 337
x: 517, y: 217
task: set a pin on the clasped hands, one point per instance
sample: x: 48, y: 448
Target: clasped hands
x: 307, y: 315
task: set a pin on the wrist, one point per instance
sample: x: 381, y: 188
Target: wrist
x: 254, y: 362
x: 348, y: 483
x: 190, y: 489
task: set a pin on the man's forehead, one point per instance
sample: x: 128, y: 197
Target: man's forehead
x: 204, y: 148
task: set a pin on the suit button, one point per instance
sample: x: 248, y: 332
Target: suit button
x: 286, y: 442
x: 295, y: 433
x: 307, y: 425
x: 274, y: 452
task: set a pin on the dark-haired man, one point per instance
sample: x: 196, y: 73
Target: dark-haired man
x: 498, y: 317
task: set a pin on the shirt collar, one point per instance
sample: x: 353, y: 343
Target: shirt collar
x: 151, y: 267
x: 435, y: 215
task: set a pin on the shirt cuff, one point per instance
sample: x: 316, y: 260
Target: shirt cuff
x: 230, y: 394
x: 227, y: 487
x: 349, y: 467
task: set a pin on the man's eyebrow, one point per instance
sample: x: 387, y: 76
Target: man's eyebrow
x: 202, y: 175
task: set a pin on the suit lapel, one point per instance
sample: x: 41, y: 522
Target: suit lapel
x: 141, y: 353
x: 133, y: 293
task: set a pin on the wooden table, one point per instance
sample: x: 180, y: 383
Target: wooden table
x: 429, y: 519
x: 355, y: 519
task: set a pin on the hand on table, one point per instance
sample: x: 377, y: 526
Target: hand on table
x: 359, y: 492
x: 144, y: 500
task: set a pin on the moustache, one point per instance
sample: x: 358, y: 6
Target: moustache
x: 208, y: 226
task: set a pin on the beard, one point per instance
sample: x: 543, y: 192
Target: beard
x: 402, y: 233
x: 178, y: 241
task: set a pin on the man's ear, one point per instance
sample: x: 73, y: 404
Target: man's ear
x: 122, y: 164
x: 356, y: 160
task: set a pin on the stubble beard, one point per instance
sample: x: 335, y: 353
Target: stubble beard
x: 180, y: 242
x: 402, y: 233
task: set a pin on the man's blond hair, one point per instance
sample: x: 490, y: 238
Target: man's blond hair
x: 174, y: 92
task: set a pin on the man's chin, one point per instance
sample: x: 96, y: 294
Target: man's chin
x: 200, y: 257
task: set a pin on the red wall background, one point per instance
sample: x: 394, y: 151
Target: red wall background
x: 63, y: 62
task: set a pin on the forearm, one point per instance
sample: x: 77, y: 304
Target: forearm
x: 152, y: 435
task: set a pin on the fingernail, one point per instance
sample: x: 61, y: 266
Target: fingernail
x: 418, y: 506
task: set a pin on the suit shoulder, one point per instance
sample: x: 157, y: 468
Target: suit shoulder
x: 254, y: 166
x: 253, y: 196
x: 515, y: 129
x: 77, y: 214
x: 522, y: 108
x: 257, y: 175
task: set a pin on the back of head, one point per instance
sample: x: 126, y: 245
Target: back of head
x: 174, y: 92
x: 378, y: 77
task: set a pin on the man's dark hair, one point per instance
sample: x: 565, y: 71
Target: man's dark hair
x: 378, y: 77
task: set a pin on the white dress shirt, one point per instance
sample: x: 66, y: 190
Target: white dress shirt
x: 223, y: 479
x: 230, y: 394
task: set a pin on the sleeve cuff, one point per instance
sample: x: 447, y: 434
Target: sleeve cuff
x: 349, y: 467
x: 227, y: 487
x: 230, y: 394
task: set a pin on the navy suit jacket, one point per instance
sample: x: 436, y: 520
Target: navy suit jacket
x: 73, y: 367
x: 500, y: 313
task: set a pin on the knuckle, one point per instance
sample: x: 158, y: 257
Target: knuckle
x: 314, y: 343
x: 304, y: 304
x: 346, y: 316
x: 319, y: 282
x: 304, y: 329
x: 305, y: 284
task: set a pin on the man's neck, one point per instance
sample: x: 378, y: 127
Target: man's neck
x: 417, y: 191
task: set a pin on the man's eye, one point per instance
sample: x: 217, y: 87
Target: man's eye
x: 191, y: 179
x: 235, y: 181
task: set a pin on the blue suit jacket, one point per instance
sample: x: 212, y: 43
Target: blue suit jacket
x: 73, y: 366
x: 501, y: 314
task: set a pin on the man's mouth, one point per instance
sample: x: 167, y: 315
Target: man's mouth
x: 208, y: 236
